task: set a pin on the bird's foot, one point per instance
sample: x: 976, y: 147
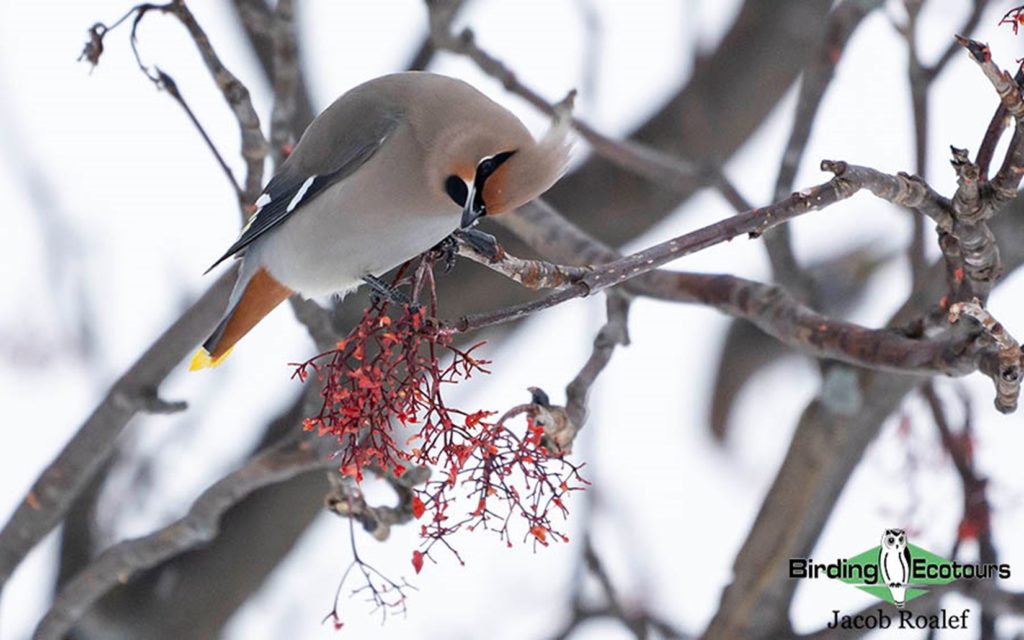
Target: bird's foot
x: 382, y: 292
x: 446, y: 251
x: 482, y: 243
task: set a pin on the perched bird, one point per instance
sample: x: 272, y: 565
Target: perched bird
x: 388, y: 171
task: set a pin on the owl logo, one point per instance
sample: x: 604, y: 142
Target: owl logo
x: 894, y: 563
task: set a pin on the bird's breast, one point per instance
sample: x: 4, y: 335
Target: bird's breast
x: 350, y: 231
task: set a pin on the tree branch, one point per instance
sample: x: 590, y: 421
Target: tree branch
x: 642, y: 160
x: 200, y: 525
x: 81, y: 458
x: 1005, y: 369
x: 254, y: 146
x: 615, y: 332
x: 900, y: 189
x: 815, y: 80
x: 770, y: 308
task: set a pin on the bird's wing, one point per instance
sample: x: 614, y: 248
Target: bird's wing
x: 299, y: 182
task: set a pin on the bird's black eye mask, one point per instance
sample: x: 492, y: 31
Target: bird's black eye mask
x: 457, y: 190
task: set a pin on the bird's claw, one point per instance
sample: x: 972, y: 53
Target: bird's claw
x: 382, y: 292
x: 447, y: 250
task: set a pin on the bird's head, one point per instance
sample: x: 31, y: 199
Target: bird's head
x: 501, y: 167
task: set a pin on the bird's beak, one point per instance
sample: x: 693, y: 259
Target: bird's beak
x: 469, y: 214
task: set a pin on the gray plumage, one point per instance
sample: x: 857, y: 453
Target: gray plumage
x: 369, y: 186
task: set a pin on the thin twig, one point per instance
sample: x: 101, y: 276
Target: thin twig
x: 615, y: 332
x: 532, y: 274
x: 236, y: 95
x: 254, y: 145
x: 814, y: 82
x: 637, y: 620
x: 976, y: 522
x: 899, y: 189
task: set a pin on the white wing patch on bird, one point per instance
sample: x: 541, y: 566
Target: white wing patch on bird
x: 300, y: 193
x: 257, y: 206
x: 261, y: 202
x: 284, y: 194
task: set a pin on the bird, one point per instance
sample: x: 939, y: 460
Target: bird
x: 894, y: 561
x: 389, y: 170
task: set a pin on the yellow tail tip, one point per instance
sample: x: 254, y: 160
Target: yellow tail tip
x: 202, y: 360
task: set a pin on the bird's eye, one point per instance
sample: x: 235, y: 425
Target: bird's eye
x: 488, y: 166
x: 456, y: 190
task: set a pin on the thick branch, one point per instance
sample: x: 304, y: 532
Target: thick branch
x: 200, y: 525
x: 1007, y: 364
x: 286, y: 81
x: 828, y: 444
x: 648, y: 162
x: 70, y: 473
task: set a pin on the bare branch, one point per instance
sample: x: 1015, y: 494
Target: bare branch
x: 815, y: 80
x: 532, y: 274
x: 254, y: 145
x: 648, y: 162
x: 562, y: 424
x: 201, y: 524
x: 1006, y: 374
x: 770, y: 308
x: 900, y: 189
x: 81, y: 458
x: 286, y: 81
x: 615, y: 332
x: 167, y: 83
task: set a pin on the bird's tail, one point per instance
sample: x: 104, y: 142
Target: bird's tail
x: 261, y: 295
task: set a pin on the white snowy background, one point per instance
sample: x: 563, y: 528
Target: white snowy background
x: 113, y: 207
